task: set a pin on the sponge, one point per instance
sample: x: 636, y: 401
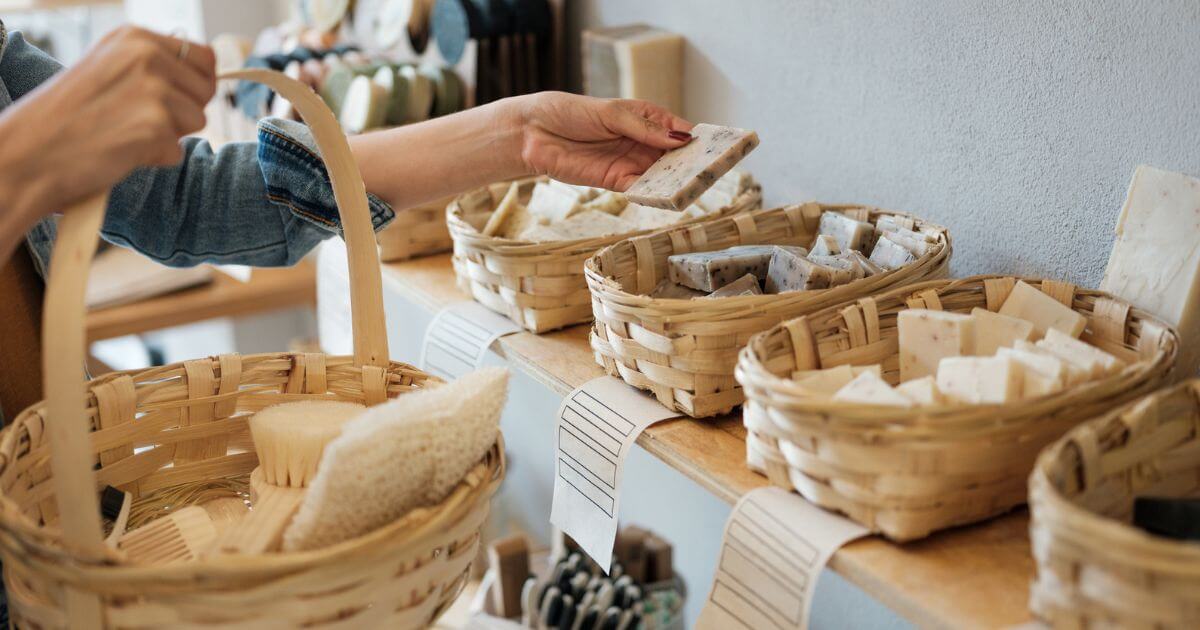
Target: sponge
x: 403, y: 454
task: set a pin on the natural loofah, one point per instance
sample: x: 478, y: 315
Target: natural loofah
x: 403, y: 454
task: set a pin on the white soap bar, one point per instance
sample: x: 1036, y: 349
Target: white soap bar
x: 670, y: 290
x: 927, y: 336
x: 591, y: 224
x: 868, y: 388
x: 681, y: 175
x: 852, y: 269
x: 891, y: 223
x: 980, y: 380
x: 1075, y: 373
x: 791, y: 271
x: 607, y: 201
x: 829, y: 380
x: 1043, y: 373
x: 912, y: 241
x: 862, y: 262
x: 581, y: 193
x: 1155, y: 262
x: 826, y: 245
x: 994, y: 331
x: 709, y: 271
x: 647, y: 218
x: 746, y: 285
x: 1065, y: 345
x: 555, y: 204
x: 922, y: 391
x: 849, y: 233
x: 890, y: 255
x: 1028, y: 303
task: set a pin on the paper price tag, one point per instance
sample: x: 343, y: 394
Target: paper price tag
x: 596, y: 427
x: 774, y: 547
x: 459, y: 337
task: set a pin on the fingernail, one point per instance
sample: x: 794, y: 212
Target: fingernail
x: 679, y: 135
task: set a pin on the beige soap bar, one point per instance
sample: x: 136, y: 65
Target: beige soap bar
x: 826, y: 245
x: 790, y: 271
x: 1028, y: 303
x: 927, y: 336
x: 746, y: 285
x: 994, y: 331
x: 709, y: 271
x: 591, y: 224
x: 1083, y: 353
x: 1043, y: 373
x: 827, y: 381
x: 980, y: 380
x: 674, y: 291
x: 852, y: 269
x: 682, y: 175
x: 923, y: 391
x: 607, y: 201
x: 849, y: 233
x: 891, y: 223
x: 889, y: 254
x: 552, y: 203
x: 867, y: 388
x: 647, y: 218
x: 1155, y: 262
x: 1075, y: 373
x: 651, y: 67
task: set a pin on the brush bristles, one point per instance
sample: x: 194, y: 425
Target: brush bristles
x: 177, y: 537
x: 290, y: 438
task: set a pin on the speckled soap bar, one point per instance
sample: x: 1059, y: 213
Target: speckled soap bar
x: 789, y: 272
x: 709, y: 271
x: 682, y: 175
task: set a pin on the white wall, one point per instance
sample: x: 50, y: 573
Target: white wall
x: 1017, y: 125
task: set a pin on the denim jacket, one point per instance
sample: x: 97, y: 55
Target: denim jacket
x: 264, y: 204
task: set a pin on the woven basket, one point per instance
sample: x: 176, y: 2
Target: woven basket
x: 417, y: 231
x: 1094, y: 569
x: 184, y: 425
x: 908, y: 472
x: 685, y: 351
x: 537, y: 285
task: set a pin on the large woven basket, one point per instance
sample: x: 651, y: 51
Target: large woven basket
x: 908, y: 472
x: 1094, y: 569
x: 537, y: 285
x: 685, y: 351
x: 183, y: 426
x: 417, y: 231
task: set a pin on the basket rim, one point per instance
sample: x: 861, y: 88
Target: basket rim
x: 464, y: 234
x: 606, y: 289
x: 412, y: 527
x: 1051, y: 509
x: 760, y: 383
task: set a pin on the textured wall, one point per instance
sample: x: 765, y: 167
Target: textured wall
x: 1017, y: 125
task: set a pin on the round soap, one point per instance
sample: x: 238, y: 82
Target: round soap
x: 365, y: 107
x: 420, y: 94
x: 391, y: 22
x: 398, y: 106
x: 336, y: 84
x: 455, y: 22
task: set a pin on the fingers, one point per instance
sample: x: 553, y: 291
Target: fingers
x: 660, y: 115
x: 198, y: 57
x: 626, y: 118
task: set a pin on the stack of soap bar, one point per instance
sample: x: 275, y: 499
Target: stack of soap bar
x: 746, y: 285
x: 790, y: 271
x: 1075, y: 374
x: 862, y: 262
x: 867, y: 388
x: 647, y: 218
x: 1028, y: 303
x: 826, y: 245
x: 980, y: 380
x: 889, y: 254
x: 1044, y: 373
x: 674, y: 291
x: 1155, y: 262
x: 590, y: 224
x: 849, y: 233
x: 682, y: 175
x: 709, y: 271
x: 994, y: 331
x: 634, y: 62
x: 553, y: 203
x: 1096, y: 361
x: 927, y: 336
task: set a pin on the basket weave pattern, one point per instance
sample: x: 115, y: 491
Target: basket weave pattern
x: 908, y: 472
x: 540, y: 286
x: 685, y: 351
x: 416, y: 231
x: 1094, y: 569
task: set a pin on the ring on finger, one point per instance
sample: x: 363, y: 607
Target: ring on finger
x: 184, y: 44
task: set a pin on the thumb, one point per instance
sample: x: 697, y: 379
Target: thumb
x: 630, y: 124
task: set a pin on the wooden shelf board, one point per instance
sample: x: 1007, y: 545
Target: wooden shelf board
x: 268, y: 290
x: 976, y: 576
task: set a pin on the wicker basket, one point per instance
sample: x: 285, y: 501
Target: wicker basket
x: 1094, y: 569
x: 416, y: 231
x: 908, y: 472
x: 184, y: 425
x: 538, y: 285
x: 685, y: 351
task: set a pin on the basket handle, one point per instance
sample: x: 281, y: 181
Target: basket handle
x: 63, y: 335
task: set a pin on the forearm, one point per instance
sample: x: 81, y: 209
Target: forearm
x: 419, y: 163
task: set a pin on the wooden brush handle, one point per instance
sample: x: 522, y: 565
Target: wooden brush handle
x: 262, y: 529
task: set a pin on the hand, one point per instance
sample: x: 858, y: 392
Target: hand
x: 596, y: 142
x: 125, y: 105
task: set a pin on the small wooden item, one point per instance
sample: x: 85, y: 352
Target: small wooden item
x: 180, y: 536
x: 509, y: 558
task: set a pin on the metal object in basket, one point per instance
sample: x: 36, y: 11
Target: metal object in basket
x: 184, y: 423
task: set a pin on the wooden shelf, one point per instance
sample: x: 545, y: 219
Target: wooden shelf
x: 975, y: 576
x: 268, y: 290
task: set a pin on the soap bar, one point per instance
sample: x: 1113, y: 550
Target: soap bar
x: 1080, y: 353
x: 681, y: 175
x: 849, y: 233
x: 1155, y: 263
x: 1026, y: 302
x: 651, y: 67
x: 826, y: 245
x: 868, y: 388
x: 580, y: 193
x: 555, y: 204
x: 1075, y: 374
x: 927, y: 336
x: 852, y: 270
x: 607, y: 201
x: 829, y: 380
x: 862, y: 262
x: 980, y: 380
x: 890, y: 255
x: 790, y: 271
x: 709, y: 271
x: 647, y: 218
x: 1043, y: 373
x: 746, y: 285
x: 891, y: 223
x: 914, y: 242
x: 673, y: 291
x: 725, y: 191
x: 922, y: 391
x: 365, y: 107
x: 994, y: 331
x: 591, y: 224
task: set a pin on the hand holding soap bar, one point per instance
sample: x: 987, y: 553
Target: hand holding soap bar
x: 682, y: 175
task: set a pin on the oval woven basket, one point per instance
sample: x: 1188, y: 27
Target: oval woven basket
x: 417, y: 231
x: 540, y: 286
x: 908, y: 472
x: 685, y: 351
x: 184, y: 426
x: 1095, y: 569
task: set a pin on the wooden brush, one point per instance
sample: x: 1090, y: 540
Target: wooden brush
x: 289, y: 440
x: 178, y: 537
